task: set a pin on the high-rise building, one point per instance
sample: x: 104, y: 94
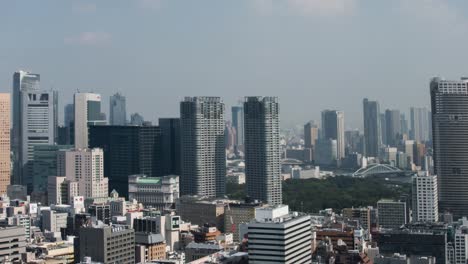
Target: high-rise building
x: 383, y: 129
x: 22, y: 82
x: 69, y: 114
x: 107, y: 244
x: 128, y: 150
x: 170, y: 136
x: 354, y: 142
x: 5, y: 168
x: 277, y: 236
x: 326, y: 152
x: 262, y: 149
x: 45, y: 165
x: 311, y: 134
x: 393, y: 127
x: 425, y: 199
x: 404, y: 125
x: 85, y: 166
x: 230, y: 136
x: 420, y: 124
x: 87, y: 112
x: 34, y: 123
x: 117, y: 111
x: 333, y: 128
x: 238, y: 124
x: 449, y: 101
x: 372, y: 128
x: 136, y: 119
x: 203, y: 156
x: 69, y: 124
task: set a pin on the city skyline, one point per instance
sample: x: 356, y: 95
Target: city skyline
x: 295, y: 54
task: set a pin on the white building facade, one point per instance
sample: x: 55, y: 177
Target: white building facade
x: 425, y: 198
x: 277, y: 236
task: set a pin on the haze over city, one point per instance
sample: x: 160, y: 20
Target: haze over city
x: 312, y: 54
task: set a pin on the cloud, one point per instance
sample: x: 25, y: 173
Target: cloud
x: 80, y: 7
x: 149, y: 4
x: 89, y: 39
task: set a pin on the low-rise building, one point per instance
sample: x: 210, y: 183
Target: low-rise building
x: 194, y: 251
x: 200, y: 211
x: 156, y: 192
x: 13, y: 243
x: 391, y: 214
x: 149, y: 247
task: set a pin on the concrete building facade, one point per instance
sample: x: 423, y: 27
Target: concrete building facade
x: 279, y: 237
x: 425, y: 198
x: 5, y: 155
x: 203, y: 155
x: 391, y: 214
x: 86, y: 167
x: 87, y: 110
x: 156, y: 192
x: 12, y: 243
x: 108, y: 244
x: 262, y: 149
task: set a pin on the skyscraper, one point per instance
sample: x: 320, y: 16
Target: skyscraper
x: 393, y: 126
x: 420, y: 124
x: 404, y: 125
x: 170, y: 133
x: 69, y: 114
x: 5, y: 112
x: 311, y: 134
x: 333, y: 128
x: 449, y: 103
x: 238, y: 124
x: 128, y: 150
x: 117, y: 111
x: 34, y: 123
x: 85, y: 166
x: 203, y: 157
x: 69, y: 123
x: 383, y: 129
x: 262, y: 149
x: 87, y: 112
x: 136, y: 119
x: 372, y: 132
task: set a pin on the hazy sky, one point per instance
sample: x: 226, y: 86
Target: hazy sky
x: 313, y: 54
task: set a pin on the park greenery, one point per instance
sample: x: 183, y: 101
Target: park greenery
x: 312, y: 195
